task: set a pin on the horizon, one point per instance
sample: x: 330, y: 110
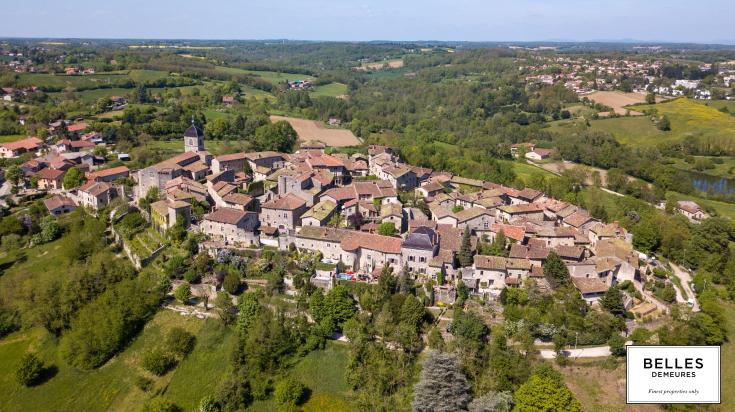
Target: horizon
x: 561, y: 21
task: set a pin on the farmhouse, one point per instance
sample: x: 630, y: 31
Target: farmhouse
x: 691, y: 210
x: 18, y: 147
x: 59, y: 205
x: 95, y: 195
x: 539, y: 154
x: 50, y: 179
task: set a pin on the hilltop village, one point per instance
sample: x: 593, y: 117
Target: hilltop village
x: 366, y: 214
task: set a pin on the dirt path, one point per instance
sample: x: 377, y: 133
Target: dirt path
x: 686, y: 280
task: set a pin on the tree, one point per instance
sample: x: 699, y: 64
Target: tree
x: 442, y: 386
x: 288, y: 394
x: 250, y: 309
x: 74, y: 178
x: 492, y: 402
x: 29, y: 370
x: 279, y: 136
x: 339, y: 305
x: 435, y: 339
x: 651, y: 98
x: 231, y: 282
x: 664, y: 124
x: 465, y: 250
x: 158, y: 362
x: 412, y: 312
x: 556, y: 271
x: 387, y: 229
x: 161, y: 404
x: 14, y: 175
x: 223, y: 302
x: 179, y: 341
x: 617, y: 344
x: 183, y: 293
x: 613, y: 301
x: 545, y: 394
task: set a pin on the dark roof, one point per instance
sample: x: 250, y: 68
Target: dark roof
x: 421, y: 238
x: 193, y: 131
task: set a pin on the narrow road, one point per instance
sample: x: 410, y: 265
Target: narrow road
x: 592, y: 352
x: 686, y: 280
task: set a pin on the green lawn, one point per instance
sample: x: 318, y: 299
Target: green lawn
x: 112, y: 387
x: 525, y: 171
x: 331, y: 89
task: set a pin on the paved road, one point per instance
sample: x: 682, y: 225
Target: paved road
x: 686, y: 280
x: 591, y: 352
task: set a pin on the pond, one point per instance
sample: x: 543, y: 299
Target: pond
x: 713, y: 184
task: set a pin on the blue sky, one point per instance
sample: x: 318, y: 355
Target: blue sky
x: 473, y: 20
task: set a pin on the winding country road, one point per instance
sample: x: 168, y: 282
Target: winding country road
x: 686, y: 280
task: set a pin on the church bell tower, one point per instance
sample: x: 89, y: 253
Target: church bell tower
x: 193, y: 139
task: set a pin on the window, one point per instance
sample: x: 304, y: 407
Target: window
x: 411, y: 259
x: 422, y: 259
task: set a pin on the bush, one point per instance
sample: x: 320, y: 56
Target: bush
x: 179, y: 341
x: 192, y: 277
x: 143, y: 383
x: 29, y: 370
x: 161, y: 404
x: 183, y: 293
x: 288, y: 394
x: 158, y: 362
x: 231, y: 283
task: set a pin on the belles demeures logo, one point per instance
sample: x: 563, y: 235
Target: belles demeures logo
x: 673, y: 374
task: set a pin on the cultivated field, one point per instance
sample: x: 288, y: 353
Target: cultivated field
x: 314, y: 130
x: 618, y: 100
x: 391, y: 64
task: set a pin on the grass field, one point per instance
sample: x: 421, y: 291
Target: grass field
x: 272, y: 77
x: 111, y: 387
x: 91, y: 96
x: 525, y: 171
x: 688, y: 118
x: 170, y: 148
x: 718, y: 104
x: 11, y: 138
x: 728, y: 360
x: 323, y: 372
x: 600, y: 389
x: 315, y: 130
x: 724, y: 169
x: 90, y: 80
x: 331, y: 89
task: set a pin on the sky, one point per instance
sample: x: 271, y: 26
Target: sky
x: 704, y: 21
